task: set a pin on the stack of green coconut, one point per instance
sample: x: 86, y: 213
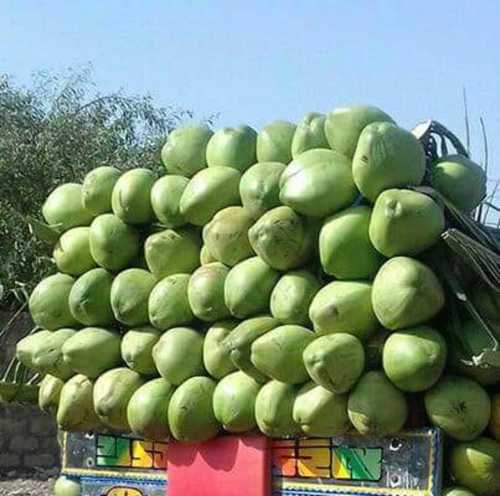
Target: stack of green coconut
x: 279, y: 281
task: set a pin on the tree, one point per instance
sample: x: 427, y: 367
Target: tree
x: 54, y: 132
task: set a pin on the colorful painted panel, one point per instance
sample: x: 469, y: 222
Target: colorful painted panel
x: 113, y: 455
x: 94, y: 486
x: 408, y: 464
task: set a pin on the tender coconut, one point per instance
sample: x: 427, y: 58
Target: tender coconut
x: 190, y: 412
x: 185, y: 150
x: 112, y: 393
x: 92, y: 351
x: 168, y: 303
x: 274, y: 142
x: 274, y: 410
x: 97, y: 189
x: 178, y: 354
x: 234, y: 402
x: 147, y: 410
x: 166, y: 196
x: 131, y: 197
x: 233, y: 147
x: 206, y: 292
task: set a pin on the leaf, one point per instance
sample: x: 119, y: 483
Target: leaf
x: 42, y: 231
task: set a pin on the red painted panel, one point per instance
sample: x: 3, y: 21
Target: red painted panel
x: 224, y: 466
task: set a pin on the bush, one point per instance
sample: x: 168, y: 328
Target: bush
x: 53, y: 132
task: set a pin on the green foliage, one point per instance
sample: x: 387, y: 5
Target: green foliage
x: 55, y: 131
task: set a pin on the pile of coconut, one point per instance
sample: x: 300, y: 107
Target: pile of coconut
x: 297, y: 281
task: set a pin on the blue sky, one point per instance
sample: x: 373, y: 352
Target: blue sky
x: 259, y: 60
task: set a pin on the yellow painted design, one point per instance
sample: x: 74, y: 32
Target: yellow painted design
x: 124, y: 491
x: 314, y: 458
x: 141, y: 454
x: 339, y: 471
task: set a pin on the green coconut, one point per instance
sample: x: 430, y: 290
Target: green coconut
x: 173, y: 252
x: 478, y: 341
x: 233, y: 147
x: 97, y: 189
x: 309, y: 134
x: 376, y: 407
x: 42, y: 352
x: 205, y: 256
x: 405, y: 222
x: 190, y: 412
x: 178, y: 355
x: 238, y: 343
x: 205, y: 292
x: 48, y: 303
x: 226, y: 235
x: 274, y: 142
x: 345, y: 249
x: 414, y: 359
x: 90, y: 298
x: 75, y: 412
x: 92, y: 351
x: 234, y: 402
x: 63, y: 208
x: 460, y: 180
x: 259, y: 187
x: 292, y: 296
x: 112, y: 393
x: 387, y: 157
x: 113, y: 244
x: 274, y: 410
x: 49, y: 394
x: 248, y: 287
x: 319, y: 412
x: 168, y: 302
x: 129, y: 296
x: 147, y: 410
x: 72, y: 252
x: 406, y: 293
x: 335, y: 361
x: 343, y: 126
x: 185, y: 149
x: 457, y: 491
x: 216, y: 356
x: 344, y: 306
x: 494, y: 424
x: 459, y: 406
x: 283, y: 239
x: 64, y: 486
x: 209, y: 191
x: 318, y: 183
x: 165, y: 200
x: 476, y: 465
x: 137, y: 349
x: 131, y: 198
x: 486, y: 301
x: 278, y: 353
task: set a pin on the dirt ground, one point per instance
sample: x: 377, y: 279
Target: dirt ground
x: 29, y: 484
